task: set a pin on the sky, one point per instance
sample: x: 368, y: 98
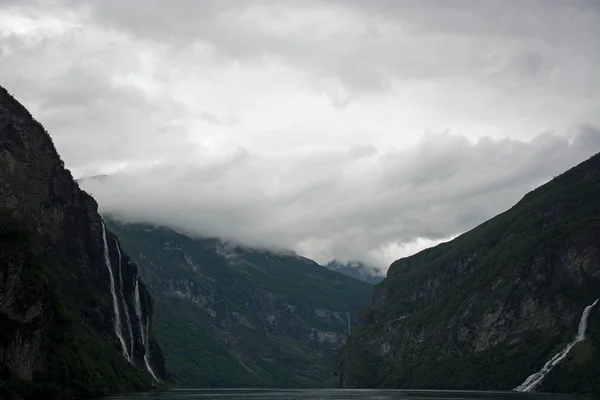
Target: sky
x: 348, y: 129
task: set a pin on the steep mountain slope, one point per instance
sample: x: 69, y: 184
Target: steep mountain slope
x: 489, y: 308
x: 62, y: 331
x: 233, y: 316
x: 355, y: 269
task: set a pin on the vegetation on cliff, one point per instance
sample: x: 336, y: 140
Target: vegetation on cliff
x: 230, y: 316
x: 488, y: 308
x: 57, y: 335
x: 78, y: 361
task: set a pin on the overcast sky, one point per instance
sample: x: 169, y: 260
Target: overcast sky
x: 347, y: 129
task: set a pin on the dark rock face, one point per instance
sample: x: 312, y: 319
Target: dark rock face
x: 489, y: 308
x: 24, y: 323
x: 61, y: 221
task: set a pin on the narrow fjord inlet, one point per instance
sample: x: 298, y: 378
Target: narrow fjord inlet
x: 299, y: 200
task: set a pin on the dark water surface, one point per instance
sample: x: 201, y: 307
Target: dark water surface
x: 340, y: 394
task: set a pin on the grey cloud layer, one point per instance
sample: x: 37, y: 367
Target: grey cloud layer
x: 508, y: 53
x: 96, y: 118
x: 125, y: 85
x: 345, y: 204
x: 366, y: 44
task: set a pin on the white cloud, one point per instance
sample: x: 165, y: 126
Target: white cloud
x: 353, y: 204
x: 308, y: 124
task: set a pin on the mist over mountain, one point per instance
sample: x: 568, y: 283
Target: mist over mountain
x: 409, y: 200
x: 391, y: 128
x: 356, y: 269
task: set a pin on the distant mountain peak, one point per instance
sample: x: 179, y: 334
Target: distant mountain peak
x: 356, y: 269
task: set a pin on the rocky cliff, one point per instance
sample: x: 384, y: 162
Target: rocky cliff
x: 492, y: 306
x: 232, y: 316
x: 75, y: 319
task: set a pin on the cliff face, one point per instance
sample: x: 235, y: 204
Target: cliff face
x: 489, y: 308
x: 53, y: 244
x: 230, y: 316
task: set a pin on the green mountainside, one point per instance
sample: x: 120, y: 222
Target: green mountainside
x: 489, y: 308
x: 57, y: 329
x: 231, y: 316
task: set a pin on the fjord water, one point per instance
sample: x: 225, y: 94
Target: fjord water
x: 340, y: 394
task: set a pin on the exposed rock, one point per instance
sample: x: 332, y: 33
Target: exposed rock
x: 62, y: 224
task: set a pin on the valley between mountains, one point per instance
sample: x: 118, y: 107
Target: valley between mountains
x: 92, y: 305
x: 231, y: 316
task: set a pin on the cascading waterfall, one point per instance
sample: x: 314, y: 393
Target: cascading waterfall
x: 535, y: 379
x: 144, y: 323
x: 127, y: 316
x: 147, y: 347
x: 117, y: 319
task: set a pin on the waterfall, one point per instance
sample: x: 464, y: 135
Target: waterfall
x: 144, y: 323
x: 535, y: 379
x: 117, y: 319
x: 128, y: 318
x: 147, y: 346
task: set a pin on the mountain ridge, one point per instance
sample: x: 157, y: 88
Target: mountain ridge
x: 486, y: 309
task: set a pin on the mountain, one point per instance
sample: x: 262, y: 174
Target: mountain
x: 491, y: 307
x: 355, y: 269
x: 233, y: 316
x: 75, y: 319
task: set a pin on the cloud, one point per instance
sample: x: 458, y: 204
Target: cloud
x: 367, y: 46
x: 373, y: 46
x: 345, y: 204
x: 310, y: 125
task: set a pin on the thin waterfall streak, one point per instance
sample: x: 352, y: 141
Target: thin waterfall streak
x: 127, y: 316
x: 117, y: 319
x: 138, y: 311
x: 535, y: 379
x: 143, y: 329
x: 147, y: 350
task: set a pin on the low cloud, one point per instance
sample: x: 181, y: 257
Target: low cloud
x: 301, y: 125
x: 366, y: 205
